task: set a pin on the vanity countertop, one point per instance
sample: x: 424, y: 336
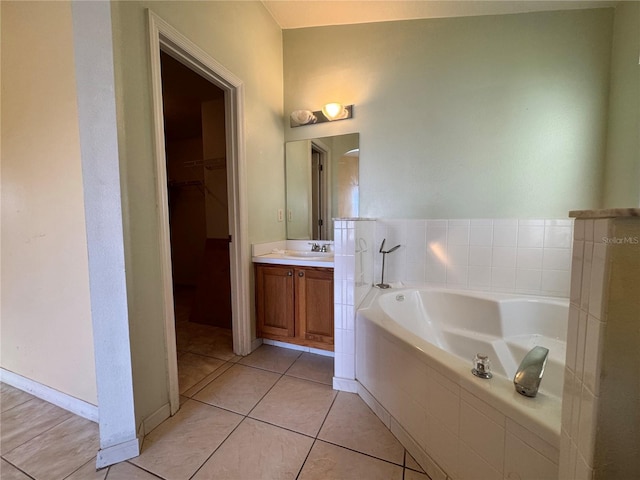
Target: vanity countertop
x: 282, y: 259
x: 293, y: 252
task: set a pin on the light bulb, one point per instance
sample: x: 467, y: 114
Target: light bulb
x: 334, y: 111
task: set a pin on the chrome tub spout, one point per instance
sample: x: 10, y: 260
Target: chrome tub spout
x: 529, y: 374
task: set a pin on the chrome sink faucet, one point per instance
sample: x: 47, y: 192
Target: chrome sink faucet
x: 529, y: 374
x: 315, y: 247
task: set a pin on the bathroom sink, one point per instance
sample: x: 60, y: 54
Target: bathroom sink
x: 306, y: 254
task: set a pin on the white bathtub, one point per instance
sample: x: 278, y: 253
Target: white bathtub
x: 414, y: 352
x: 501, y: 326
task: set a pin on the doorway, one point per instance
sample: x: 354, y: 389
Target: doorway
x: 195, y: 146
x: 164, y: 38
x: 318, y: 197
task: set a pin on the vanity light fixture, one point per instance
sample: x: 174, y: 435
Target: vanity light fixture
x: 329, y: 113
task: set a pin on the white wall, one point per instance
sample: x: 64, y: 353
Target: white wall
x: 46, y: 326
x: 476, y: 117
x: 244, y: 38
x: 622, y: 186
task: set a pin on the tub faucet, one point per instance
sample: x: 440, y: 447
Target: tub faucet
x: 384, y: 254
x: 529, y: 374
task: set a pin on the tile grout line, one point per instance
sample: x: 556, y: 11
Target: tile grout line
x: 362, y: 453
x: 217, y: 448
x: 404, y: 463
x: 91, y: 460
x: 17, y: 468
x: 306, y: 458
x: 282, y: 375
x: 18, y: 404
x: 315, y: 439
x: 71, y: 415
x: 245, y: 416
x: 207, y: 375
x: 135, y: 466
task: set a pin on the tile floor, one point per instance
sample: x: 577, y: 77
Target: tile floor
x: 270, y: 415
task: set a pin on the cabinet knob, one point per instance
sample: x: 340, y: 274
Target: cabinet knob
x: 289, y: 273
x: 301, y: 274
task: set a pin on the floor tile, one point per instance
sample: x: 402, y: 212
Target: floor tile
x: 296, y: 404
x: 192, y: 368
x: 330, y: 462
x: 25, y: 421
x: 268, y: 357
x: 126, y: 471
x: 413, y: 475
x: 205, y: 340
x: 238, y: 389
x: 207, y: 380
x: 311, y: 366
x: 88, y: 472
x: 59, y: 451
x: 177, y: 448
x: 9, y: 472
x: 256, y: 450
x: 11, y: 397
x: 352, y: 424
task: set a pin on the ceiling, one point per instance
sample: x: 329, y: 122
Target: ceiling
x: 313, y: 13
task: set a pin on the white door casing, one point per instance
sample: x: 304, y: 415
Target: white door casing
x: 163, y: 36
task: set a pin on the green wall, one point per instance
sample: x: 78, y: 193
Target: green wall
x: 495, y: 116
x: 622, y: 179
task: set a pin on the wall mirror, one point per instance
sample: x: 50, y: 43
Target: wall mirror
x: 322, y: 183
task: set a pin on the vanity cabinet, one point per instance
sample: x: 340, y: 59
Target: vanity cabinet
x: 294, y: 304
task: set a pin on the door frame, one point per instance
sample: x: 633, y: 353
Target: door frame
x: 326, y: 231
x: 162, y: 36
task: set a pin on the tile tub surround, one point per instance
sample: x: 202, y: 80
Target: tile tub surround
x: 353, y: 279
x: 531, y: 256
x: 600, y: 401
x: 504, y: 255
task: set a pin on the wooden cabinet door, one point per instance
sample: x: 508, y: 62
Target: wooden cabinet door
x: 275, y: 300
x: 314, y: 304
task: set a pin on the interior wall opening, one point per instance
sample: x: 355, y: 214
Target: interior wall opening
x: 195, y: 146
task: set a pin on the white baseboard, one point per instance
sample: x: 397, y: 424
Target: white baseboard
x: 345, y: 384
x: 301, y: 348
x: 118, y: 453
x: 155, y: 419
x: 48, y: 394
x: 255, y: 343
